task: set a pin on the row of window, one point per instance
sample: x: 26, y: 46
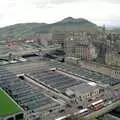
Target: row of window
x: 89, y: 94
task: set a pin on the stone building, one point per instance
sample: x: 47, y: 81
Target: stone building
x: 83, y: 91
x: 115, y: 73
x: 78, y: 45
x: 46, y: 39
x: 89, y: 46
x: 59, y: 37
x: 112, y: 58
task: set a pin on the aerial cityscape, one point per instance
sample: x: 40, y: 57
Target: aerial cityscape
x: 68, y: 69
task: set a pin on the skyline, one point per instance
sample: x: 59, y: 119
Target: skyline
x: 46, y: 11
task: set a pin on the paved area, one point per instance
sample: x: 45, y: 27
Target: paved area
x: 25, y: 92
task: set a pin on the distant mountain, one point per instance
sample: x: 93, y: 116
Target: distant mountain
x: 70, y: 24
x: 28, y: 30
x: 20, y: 31
x: 115, y: 30
x: 73, y: 20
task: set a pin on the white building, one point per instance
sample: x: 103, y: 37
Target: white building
x: 83, y: 91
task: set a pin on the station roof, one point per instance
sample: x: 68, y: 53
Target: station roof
x: 7, y: 105
x: 90, y: 75
x: 83, y: 88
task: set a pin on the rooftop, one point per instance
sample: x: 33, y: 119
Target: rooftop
x: 83, y: 88
x: 87, y: 74
x: 54, y: 79
x: 28, y: 97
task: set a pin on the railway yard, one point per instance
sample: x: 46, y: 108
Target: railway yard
x: 50, y: 90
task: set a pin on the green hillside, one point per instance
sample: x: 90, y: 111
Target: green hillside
x: 29, y: 30
x: 19, y: 31
x: 70, y: 23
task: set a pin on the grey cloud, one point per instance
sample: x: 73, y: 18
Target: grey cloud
x: 11, y: 3
x: 2, y: 16
x: 109, y: 1
x: 69, y: 1
x: 113, y: 1
x: 63, y: 1
x: 44, y: 3
x: 48, y: 3
x: 40, y: 3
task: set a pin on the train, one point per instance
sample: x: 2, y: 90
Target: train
x: 80, y: 112
x: 63, y: 117
x: 95, y: 106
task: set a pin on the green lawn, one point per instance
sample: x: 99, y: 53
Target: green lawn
x: 7, y: 105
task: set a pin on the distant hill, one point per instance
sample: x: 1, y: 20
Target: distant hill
x: 20, y: 31
x: 116, y: 30
x: 69, y: 24
x: 28, y: 30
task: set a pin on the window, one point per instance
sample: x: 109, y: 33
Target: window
x: 80, y: 107
x: 19, y: 117
x: 91, y: 93
x: 11, y: 118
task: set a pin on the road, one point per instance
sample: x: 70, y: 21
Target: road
x: 103, y: 110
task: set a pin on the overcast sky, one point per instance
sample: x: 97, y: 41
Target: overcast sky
x: 49, y: 11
